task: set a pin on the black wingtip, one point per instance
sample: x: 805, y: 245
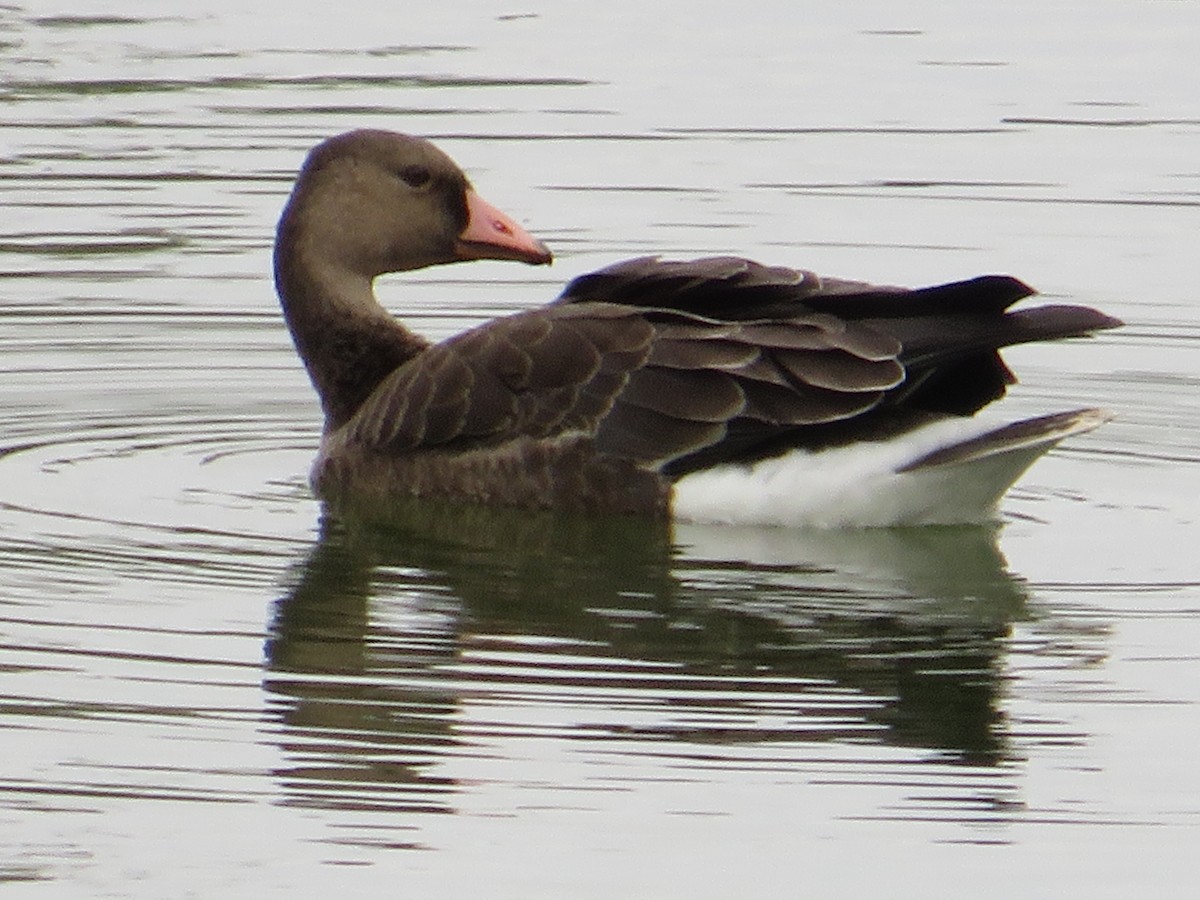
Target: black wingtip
x: 1048, y: 323
x: 986, y: 293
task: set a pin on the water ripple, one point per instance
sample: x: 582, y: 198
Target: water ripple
x: 193, y: 650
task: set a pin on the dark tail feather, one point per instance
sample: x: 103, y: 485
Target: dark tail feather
x: 953, y: 362
x: 1048, y: 323
x: 986, y: 295
x: 929, y: 340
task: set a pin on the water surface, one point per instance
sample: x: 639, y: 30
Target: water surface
x: 210, y: 687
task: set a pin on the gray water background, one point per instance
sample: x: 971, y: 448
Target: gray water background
x: 206, y: 692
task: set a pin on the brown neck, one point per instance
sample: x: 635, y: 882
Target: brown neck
x: 349, y: 343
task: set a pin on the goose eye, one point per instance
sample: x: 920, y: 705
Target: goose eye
x: 415, y: 176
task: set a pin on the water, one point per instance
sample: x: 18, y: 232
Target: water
x: 208, y: 690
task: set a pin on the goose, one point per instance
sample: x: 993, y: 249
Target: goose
x: 708, y: 390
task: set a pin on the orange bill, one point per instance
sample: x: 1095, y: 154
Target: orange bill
x: 490, y: 234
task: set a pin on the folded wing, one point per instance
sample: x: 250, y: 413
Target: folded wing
x: 682, y: 364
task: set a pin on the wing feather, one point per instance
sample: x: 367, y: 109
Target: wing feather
x: 698, y: 395
x: 652, y: 437
x: 841, y: 371
x: 680, y: 364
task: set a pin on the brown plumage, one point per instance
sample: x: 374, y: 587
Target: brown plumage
x: 637, y: 375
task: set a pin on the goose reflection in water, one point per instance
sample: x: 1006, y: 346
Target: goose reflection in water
x: 387, y: 634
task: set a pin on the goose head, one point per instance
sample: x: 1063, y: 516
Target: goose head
x: 369, y: 202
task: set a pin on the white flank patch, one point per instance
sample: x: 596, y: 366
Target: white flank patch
x: 859, y: 485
